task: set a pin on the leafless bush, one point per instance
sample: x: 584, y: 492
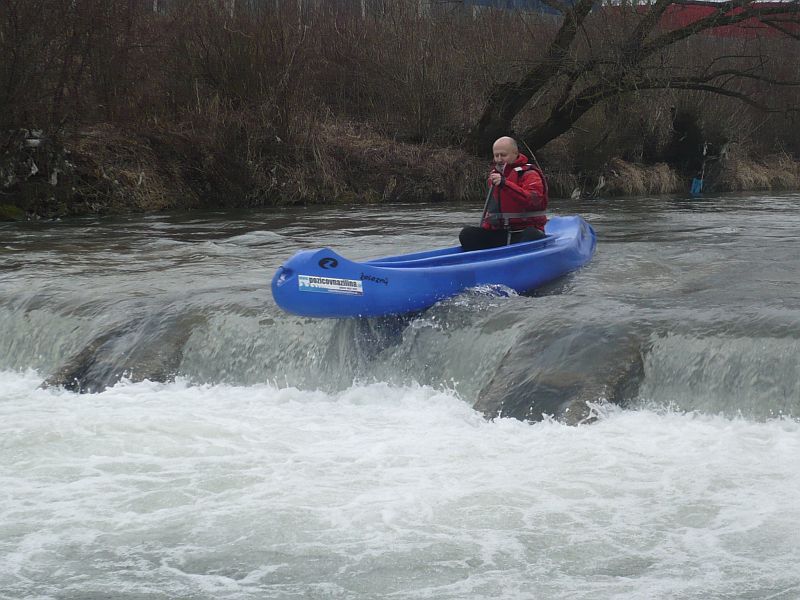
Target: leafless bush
x: 740, y: 171
x: 280, y: 89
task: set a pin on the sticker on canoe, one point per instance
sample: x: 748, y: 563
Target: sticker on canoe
x: 331, y: 285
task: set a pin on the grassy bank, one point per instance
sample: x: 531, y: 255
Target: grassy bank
x: 105, y: 170
x: 108, y: 107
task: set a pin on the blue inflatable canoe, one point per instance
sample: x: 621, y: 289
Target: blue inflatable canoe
x: 320, y: 283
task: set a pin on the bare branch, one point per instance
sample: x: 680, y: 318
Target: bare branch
x: 556, y: 5
x: 647, y: 24
x: 736, y: 73
x: 783, y: 30
x: 703, y: 87
x: 719, y: 18
x: 509, y: 98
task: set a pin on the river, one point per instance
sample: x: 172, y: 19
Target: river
x: 167, y: 432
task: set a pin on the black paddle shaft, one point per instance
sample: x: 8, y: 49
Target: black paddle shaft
x: 486, y: 204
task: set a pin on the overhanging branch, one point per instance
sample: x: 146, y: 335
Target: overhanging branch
x: 704, y: 87
x: 775, y: 25
x: 719, y: 18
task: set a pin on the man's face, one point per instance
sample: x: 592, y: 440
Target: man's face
x: 504, y: 153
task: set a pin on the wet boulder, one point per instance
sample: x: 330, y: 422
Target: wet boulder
x: 561, y: 374
x: 142, y: 349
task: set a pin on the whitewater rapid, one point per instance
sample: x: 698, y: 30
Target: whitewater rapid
x: 178, y: 491
x: 286, y: 458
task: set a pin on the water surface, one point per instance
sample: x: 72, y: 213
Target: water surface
x: 284, y: 457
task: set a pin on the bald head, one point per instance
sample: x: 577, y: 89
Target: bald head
x: 505, y: 150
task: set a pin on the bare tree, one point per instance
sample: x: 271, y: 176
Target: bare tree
x: 603, y: 52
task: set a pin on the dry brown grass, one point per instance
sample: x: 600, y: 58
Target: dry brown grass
x: 214, y: 110
x: 628, y: 179
x: 121, y: 172
x: 563, y: 184
x: 350, y: 162
x: 739, y: 172
x: 374, y: 168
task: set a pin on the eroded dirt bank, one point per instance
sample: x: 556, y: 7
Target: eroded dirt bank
x: 107, y: 170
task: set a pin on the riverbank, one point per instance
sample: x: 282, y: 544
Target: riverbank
x: 116, y: 107
x: 106, y: 169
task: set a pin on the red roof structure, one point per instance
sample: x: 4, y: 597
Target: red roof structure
x: 684, y: 14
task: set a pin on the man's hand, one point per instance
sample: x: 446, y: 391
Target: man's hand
x: 496, y: 178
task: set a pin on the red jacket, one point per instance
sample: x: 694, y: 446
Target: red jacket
x: 522, y: 190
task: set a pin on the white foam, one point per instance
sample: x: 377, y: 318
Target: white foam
x: 172, y: 490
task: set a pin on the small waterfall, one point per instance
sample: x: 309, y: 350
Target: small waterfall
x: 708, y: 326
x: 504, y: 362
x: 755, y: 377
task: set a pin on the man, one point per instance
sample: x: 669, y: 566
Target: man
x: 515, y: 205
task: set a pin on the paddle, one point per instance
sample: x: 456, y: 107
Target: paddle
x: 486, y: 205
x: 500, y: 168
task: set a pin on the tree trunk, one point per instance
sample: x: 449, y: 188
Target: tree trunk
x: 616, y: 70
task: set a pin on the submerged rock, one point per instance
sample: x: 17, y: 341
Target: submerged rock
x: 561, y: 375
x: 149, y: 348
